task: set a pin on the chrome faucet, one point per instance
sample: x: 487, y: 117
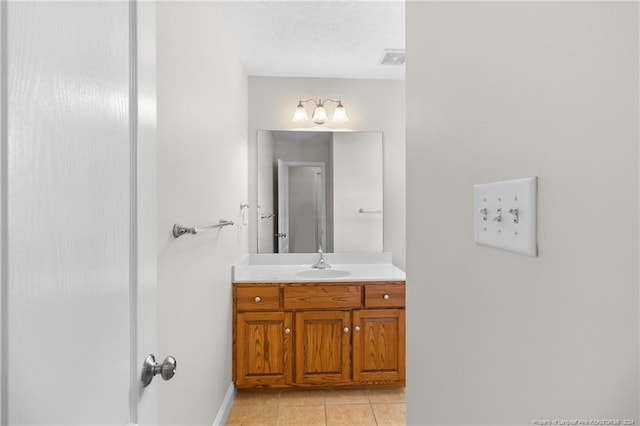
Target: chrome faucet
x: 321, y: 263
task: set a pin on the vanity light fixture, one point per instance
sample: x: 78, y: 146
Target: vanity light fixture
x: 319, y: 115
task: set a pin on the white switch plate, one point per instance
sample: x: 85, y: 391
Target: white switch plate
x: 516, y: 234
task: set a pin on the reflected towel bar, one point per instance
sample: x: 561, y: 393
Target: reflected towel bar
x: 179, y: 230
x: 369, y: 211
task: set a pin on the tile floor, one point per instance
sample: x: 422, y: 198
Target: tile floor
x: 348, y: 407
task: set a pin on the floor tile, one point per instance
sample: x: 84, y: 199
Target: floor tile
x: 302, y: 397
x: 390, y: 414
x: 252, y: 415
x: 350, y: 415
x: 346, y: 396
x: 301, y: 415
x: 387, y: 395
x: 257, y: 398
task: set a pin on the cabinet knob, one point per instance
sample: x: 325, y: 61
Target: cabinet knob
x: 346, y: 329
x: 257, y: 299
x: 287, y: 330
x: 385, y: 297
x: 356, y: 328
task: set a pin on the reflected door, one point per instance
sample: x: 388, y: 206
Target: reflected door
x: 282, y: 235
x: 301, y: 206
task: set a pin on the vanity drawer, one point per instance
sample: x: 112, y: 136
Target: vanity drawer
x: 384, y: 295
x: 258, y: 298
x: 311, y: 296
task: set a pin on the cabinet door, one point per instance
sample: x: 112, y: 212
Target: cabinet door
x: 263, y: 349
x: 379, y: 345
x: 323, y: 350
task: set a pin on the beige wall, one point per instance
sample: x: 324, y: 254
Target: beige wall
x: 503, y: 90
x: 202, y: 177
x: 371, y: 105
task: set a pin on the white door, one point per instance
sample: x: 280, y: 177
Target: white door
x: 283, y: 207
x: 78, y: 212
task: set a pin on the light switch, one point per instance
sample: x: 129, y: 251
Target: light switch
x: 505, y: 215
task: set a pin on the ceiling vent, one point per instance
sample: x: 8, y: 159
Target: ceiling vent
x: 393, y: 57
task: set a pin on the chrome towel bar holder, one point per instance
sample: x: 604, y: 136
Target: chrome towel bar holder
x: 179, y: 230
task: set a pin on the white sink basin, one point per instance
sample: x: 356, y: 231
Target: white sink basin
x: 323, y: 273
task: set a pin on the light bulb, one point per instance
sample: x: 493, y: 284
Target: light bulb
x: 301, y: 113
x: 340, y: 114
x: 319, y: 115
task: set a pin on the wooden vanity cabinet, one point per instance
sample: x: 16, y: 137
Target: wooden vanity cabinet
x: 318, y: 335
x: 379, y: 334
x: 379, y: 345
x: 263, y: 341
x: 265, y: 356
x: 323, y: 347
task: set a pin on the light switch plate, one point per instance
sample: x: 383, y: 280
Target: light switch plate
x: 505, y: 215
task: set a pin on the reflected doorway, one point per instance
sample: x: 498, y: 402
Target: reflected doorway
x: 302, y: 206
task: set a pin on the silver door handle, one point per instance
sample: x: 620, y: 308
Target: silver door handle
x: 281, y: 235
x: 150, y: 368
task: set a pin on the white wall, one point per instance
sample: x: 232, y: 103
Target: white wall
x: 317, y: 150
x: 357, y: 165
x: 503, y: 90
x: 371, y: 105
x: 202, y: 177
x: 265, y: 171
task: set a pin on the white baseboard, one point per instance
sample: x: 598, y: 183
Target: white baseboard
x: 225, y: 407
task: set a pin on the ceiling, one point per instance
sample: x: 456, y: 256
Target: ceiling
x: 330, y: 39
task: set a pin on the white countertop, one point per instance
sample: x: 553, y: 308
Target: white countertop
x: 352, y: 267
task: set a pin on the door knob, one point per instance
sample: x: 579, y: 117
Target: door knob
x: 150, y: 368
x: 281, y: 235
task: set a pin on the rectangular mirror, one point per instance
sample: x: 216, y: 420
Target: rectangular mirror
x: 319, y: 189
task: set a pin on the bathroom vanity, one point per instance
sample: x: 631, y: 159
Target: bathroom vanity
x: 298, y: 327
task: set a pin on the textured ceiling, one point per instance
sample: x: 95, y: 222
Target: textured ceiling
x: 332, y: 39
